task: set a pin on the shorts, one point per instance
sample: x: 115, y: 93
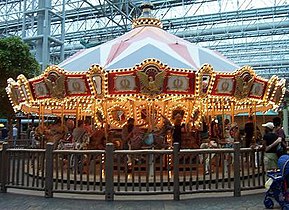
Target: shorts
x: 270, y: 161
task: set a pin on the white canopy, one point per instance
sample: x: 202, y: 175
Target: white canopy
x: 147, y: 42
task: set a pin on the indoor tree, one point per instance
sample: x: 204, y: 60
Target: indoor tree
x: 15, y: 59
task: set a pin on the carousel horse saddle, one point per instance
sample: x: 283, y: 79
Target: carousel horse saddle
x: 149, y: 140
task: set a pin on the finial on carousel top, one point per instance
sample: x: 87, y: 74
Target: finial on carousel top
x: 146, y: 18
x: 146, y: 7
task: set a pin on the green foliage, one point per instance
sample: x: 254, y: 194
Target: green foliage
x: 15, y: 59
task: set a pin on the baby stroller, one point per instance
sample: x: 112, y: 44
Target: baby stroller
x: 277, y: 184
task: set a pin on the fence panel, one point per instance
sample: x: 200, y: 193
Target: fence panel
x: 252, y: 169
x: 205, y: 170
x: 79, y: 171
x: 20, y: 143
x: 143, y: 172
x: 26, y: 169
x: 133, y: 172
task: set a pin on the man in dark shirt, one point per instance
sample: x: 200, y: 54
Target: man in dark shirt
x: 178, y: 129
x: 280, y: 133
x: 278, y: 128
x: 270, y: 142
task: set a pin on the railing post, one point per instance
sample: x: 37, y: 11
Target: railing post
x: 49, y: 170
x: 176, y: 171
x: 237, y: 180
x: 4, y: 167
x: 109, y: 185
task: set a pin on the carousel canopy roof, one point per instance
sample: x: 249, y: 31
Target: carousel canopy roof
x: 145, y: 74
x: 143, y: 42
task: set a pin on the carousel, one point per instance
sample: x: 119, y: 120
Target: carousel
x: 149, y: 75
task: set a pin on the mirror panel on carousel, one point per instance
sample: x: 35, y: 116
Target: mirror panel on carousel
x: 119, y: 115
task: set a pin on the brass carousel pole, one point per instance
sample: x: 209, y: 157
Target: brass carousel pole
x: 149, y: 116
x: 189, y: 112
x: 80, y: 112
x: 232, y: 112
x: 255, y: 122
x: 77, y: 113
x: 207, y: 105
x: 104, y: 105
x: 42, y: 115
x: 132, y: 108
x: 223, y: 117
x: 39, y: 114
x: 153, y: 116
x: 62, y: 114
x: 92, y: 114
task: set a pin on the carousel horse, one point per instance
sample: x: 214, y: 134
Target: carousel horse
x: 42, y: 135
x: 56, y: 133
x: 160, y: 137
x: 97, y: 140
x: 136, y: 138
x: 156, y: 139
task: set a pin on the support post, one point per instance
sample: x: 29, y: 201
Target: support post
x: 49, y: 170
x: 109, y: 186
x: 4, y: 167
x: 237, y: 180
x: 176, y: 171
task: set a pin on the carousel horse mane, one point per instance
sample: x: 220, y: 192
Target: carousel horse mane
x: 136, y: 140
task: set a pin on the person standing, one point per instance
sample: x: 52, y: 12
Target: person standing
x: 280, y: 133
x: 15, y: 135
x: 270, y: 142
x: 249, y: 132
x: 29, y: 129
x: 32, y: 138
x: 179, y: 128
